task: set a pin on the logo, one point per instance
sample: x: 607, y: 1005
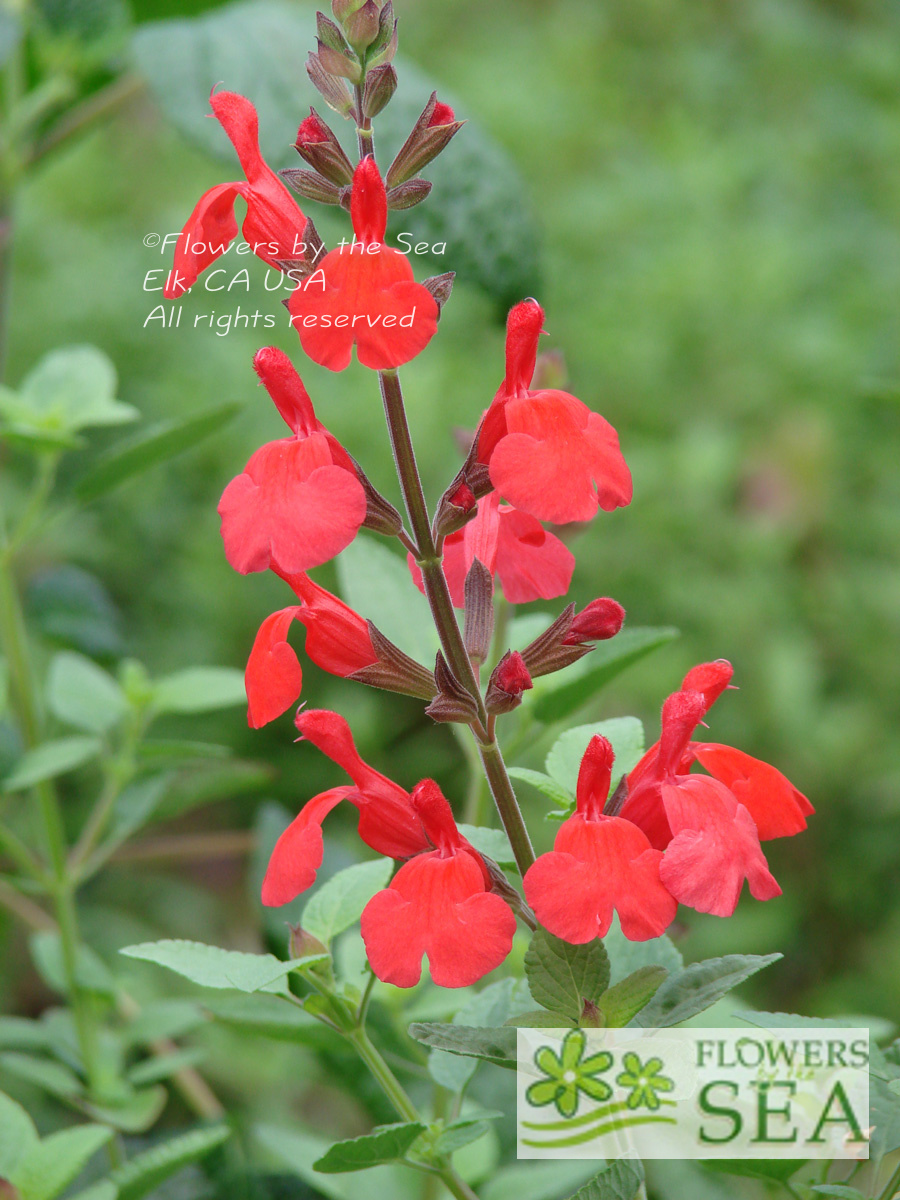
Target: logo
x: 693, y: 1093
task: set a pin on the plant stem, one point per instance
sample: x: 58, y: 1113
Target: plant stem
x: 507, y: 804
x: 893, y: 1186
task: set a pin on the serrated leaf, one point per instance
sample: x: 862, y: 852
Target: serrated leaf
x: 385, y: 1144
x: 562, y: 976
x: 621, y: 1003
x: 49, y: 760
x: 492, y: 842
x: 564, y: 759
x: 336, y: 905
x: 213, y: 967
x: 618, y: 1181
x: 545, y: 784
x: 18, y: 1135
x: 496, y: 1045
x: 48, y: 1168
x: 375, y: 581
x: 199, y: 689
x: 580, y: 683
x: 699, y: 986
x: 488, y: 1009
x: 156, y: 444
x: 82, y: 694
x: 147, y: 1171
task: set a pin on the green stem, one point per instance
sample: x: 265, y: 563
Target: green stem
x: 507, y: 805
x: 382, y: 1073
x: 6, y: 236
x: 893, y: 1186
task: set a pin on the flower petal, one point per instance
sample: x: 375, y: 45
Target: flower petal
x: 776, y: 806
x: 298, y: 853
x: 273, y: 678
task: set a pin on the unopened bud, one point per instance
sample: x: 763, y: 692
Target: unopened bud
x: 591, y: 1016
x: 384, y: 46
x: 380, y: 86
x: 336, y: 63
x: 440, y: 286
x: 507, y: 683
x: 479, y: 600
x: 394, y: 671
x: 409, y: 194
x: 344, y: 9
x: 362, y: 26
x: 311, y: 186
x: 600, y: 620
x: 317, y: 144
x: 456, y: 508
x: 333, y: 90
x: 430, y: 135
x: 453, y: 702
x: 330, y: 35
x: 303, y: 944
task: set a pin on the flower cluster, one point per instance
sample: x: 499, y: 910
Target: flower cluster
x: 665, y: 834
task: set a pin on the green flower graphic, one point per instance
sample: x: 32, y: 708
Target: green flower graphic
x: 644, y: 1081
x: 568, y: 1073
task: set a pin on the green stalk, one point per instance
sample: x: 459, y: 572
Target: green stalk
x: 893, y: 1186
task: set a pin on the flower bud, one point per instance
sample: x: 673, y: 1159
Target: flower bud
x: 381, y: 83
x: 507, y: 683
x: 303, y: 944
x: 394, y: 671
x: 453, y: 702
x: 600, y: 620
x: 311, y: 186
x: 430, y: 135
x: 336, y: 63
x: 479, y: 598
x: 344, y: 9
x: 409, y: 194
x: 362, y: 27
x: 317, y: 144
x: 333, y: 90
x: 456, y: 508
x: 384, y: 47
x: 330, y: 35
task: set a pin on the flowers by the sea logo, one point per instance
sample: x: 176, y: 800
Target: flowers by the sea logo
x: 693, y: 1093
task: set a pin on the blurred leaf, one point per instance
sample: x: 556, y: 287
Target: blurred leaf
x: 53, y: 1077
x: 298, y: 1150
x: 478, y: 206
x: 104, y: 1190
x: 18, y: 1135
x: 377, y: 584
x: 49, y: 760
x: 145, y: 1172
x: 163, y: 1019
x: 545, y: 784
x: 164, y: 1066
x: 540, y: 1018
x: 536, y: 1180
x: 618, y: 1181
x: 699, y: 986
x: 492, y: 842
x: 562, y: 976
x: 70, y: 389
x: 82, y: 694
x: 384, y: 1144
x: 156, y: 444
x: 756, y: 1168
x: 337, y: 904
x: 626, y: 956
x: 199, y: 689
x: 570, y: 689
x: 48, y: 1168
x: 21, y: 1033
x: 212, y: 781
x: 836, y: 1189
x: 72, y: 606
x: 136, y: 806
x: 271, y: 1017
x: 619, y: 1004
x: 10, y: 33
x: 91, y: 972
x: 133, y: 1111
x: 173, y: 750
x: 564, y: 760
x: 496, y: 1045
x: 213, y: 967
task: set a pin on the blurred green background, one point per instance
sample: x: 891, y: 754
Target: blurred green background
x: 717, y: 189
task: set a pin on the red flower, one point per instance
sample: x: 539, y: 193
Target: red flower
x: 274, y: 225
x: 439, y: 904
x: 364, y: 292
x: 530, y: 563
x: 388, y: 822
x: 337, y: 640
x: 547, y: 453
x: 298, y: 502
x: 599, y: 863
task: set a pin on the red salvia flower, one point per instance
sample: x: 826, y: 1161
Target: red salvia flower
x: 546, y: 452
x: 530, y: 563
x: 299, y: 501
x: 438, y: 904
x: 274, y: 225
x: 364, y: 293
x: 388, y: 822
x: 598, y: 621
x: 599, y: 863
x: 337, y: 640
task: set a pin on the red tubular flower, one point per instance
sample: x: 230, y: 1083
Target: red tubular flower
x: 299, y: 501
x: 438, y: 904
x: 546, y: 452
x: 598, y: 621
x: 364, y: 293
x: 599, y: 863
x: 388, y: 822
x: 530, y: 563
x: 273, y: 226
x: 337, y: 640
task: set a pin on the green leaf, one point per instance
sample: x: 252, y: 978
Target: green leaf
x: 626, y: 956
x: 82, y: 694
x: 488, y: 1009
x: 99, y: 1191
x: 625, y: 1000
x: 91, y: 972
x: 272, y: 1017
x: 53, y: 1077
x: 536, y: 1180
x: 580, y: 682
x: 564, y: 760
x: 464, y: 1130
x: 73, y: 607
x: 147, y: 1171
x: 699, y: 986
x: 133, y: 1111
x: 545, y: 784
x: 199, y: 689
x: 338, y: 903
x: 154, y: 1070
x: 163, y: 1019
x: 161, y: 751
x: 491, y: 842
x: 136, y: 805
x: 377, y: 584
x: 561, y: 976
x: 17, y: 1135
x: 298, y: 1151
x: 836, y: 1189
x: 48, y: 1168
x: 539, y: 1018
x: 618, y: 1181
x: 22, y: 1033
x: 156, y: 444
x: 49, y: 760
x: 385, y: 1144
x: 71, y: 388
x: 756, y: 1168
x: 478, y: 206
x: 496, y: 1045
x: 213, y: 967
